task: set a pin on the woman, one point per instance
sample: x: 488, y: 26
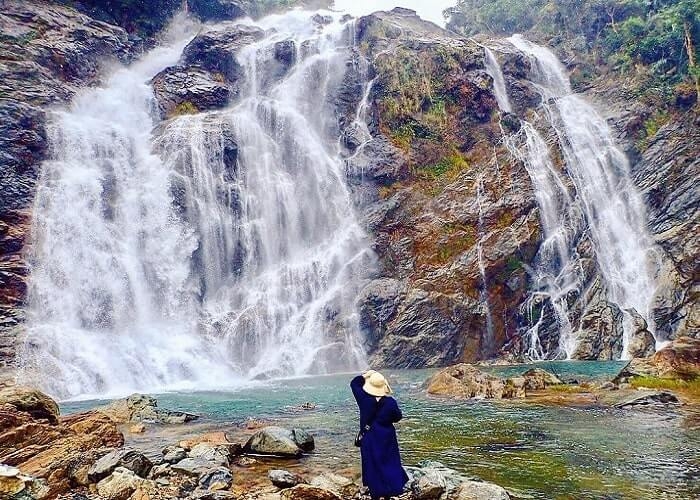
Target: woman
x: 382, y: 472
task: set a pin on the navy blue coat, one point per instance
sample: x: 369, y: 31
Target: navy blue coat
x: 382, y: 472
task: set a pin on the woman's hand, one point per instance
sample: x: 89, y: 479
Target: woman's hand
x: 368, y: 374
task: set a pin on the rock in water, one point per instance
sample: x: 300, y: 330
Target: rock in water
x: 279, y: 441
x: 283, y: 478
x: 216, y: 479
x: 657, y: 398
x: 537, y: 379
x: 306, y: 492
x: 130, y: 459
x: 143, y: 408
x: 473, y: 490
x: 465, y: 381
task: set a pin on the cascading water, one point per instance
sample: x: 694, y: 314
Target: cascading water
x: 234, y: 254
x: 605, y: 202
x: 612, y: 206
x: 554, y: 273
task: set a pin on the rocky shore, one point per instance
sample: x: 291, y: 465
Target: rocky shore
x: 101, y: 453
x: 44, y: 455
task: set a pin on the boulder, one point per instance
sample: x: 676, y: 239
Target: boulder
x: 159, y: 471
x: 429, y: 486
x: 537, y: 379
x: 214, y: 50
x: 30, y: 401
x: 465, y: 381
x: 307, y: 492
x: 189, y: 90
x: 143, y: 408
x: 279, y: 441
x: 335, y: 483
x: 474, y: 490
x: 680, y: 358
x: 284, y: 479
x: 120, y: 484
x: 378, y: 161
x: 641, y: 342
x: 193, y: 466
x: 219, y: 10
x: 173, y: 454
x: 515, y: 387
x: 216, y: 479
x: 126, y: 458
x: 61, y: 453
x: 303, y: 439
x: 210, y: 452
x: 655, y: 399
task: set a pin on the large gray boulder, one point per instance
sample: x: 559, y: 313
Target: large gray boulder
x: 216, y: 479
x: 279, y: 441
x: 476, y: 490
x: 284, y: 479
x: 126, y: 458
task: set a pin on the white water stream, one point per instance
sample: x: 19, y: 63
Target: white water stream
x: 232, y: 253
x: 605, y: 200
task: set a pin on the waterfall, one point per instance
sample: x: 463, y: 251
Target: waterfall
x: 220, y: 248
x: 499, y: 83
x: 554, y: 273
x: 613, y: 208
x: 488, y: 342
x: 605, y: 202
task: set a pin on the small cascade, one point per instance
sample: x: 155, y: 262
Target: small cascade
x: 488, y: 341
x: 499, y: 84
x: 554, y: 274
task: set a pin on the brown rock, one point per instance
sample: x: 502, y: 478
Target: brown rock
x: 680, y: 358
x: 537, y: 379
x: 30, y: 401
x: 306, y: 492
x: 465, y: 381
x: 60, y: 452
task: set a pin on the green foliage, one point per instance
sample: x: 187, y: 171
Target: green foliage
x: 656, y: 36
x: 184, y: 108
x: 689, y: 387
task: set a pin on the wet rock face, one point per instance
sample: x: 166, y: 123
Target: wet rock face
x: 208, y: 76
x: 666, y: 175
x: 49, y: 51
x: 434, y: 181
x: 188, y: 91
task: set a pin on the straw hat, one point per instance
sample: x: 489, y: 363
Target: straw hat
x: 376, y: 385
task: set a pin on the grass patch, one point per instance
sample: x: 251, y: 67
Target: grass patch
x: 689, y: 387
x: 567, y: 388
x: 184, y: 108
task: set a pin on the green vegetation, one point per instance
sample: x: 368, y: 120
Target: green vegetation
x: 689, y: 387
x: 184, y: 108
x: 656, y: 38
